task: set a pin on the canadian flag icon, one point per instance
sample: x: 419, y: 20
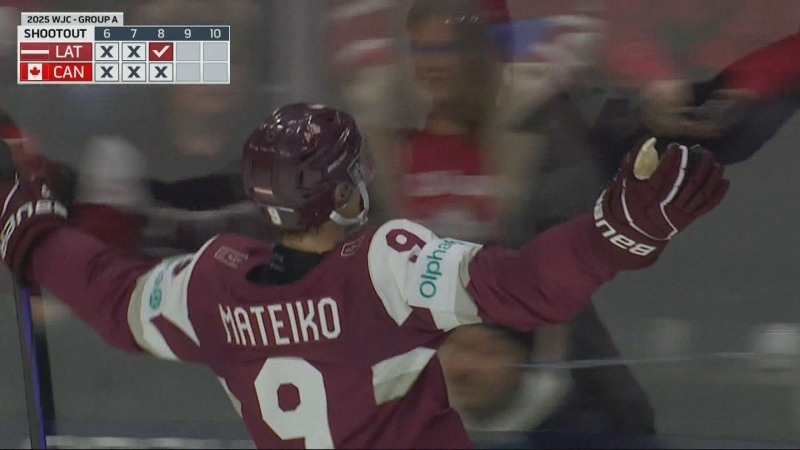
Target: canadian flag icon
x: 31, y: 72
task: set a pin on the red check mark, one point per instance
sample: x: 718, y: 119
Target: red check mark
x: 160, y: 51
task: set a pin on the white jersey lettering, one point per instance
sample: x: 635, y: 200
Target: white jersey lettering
x: 292, y: 322
x: 329, y: 330
x: 284, y: 324
x: 276, y: 325
x: 227, y: 322
x: 243, y: 325
x: 258, y: 311
x: 307, y: 321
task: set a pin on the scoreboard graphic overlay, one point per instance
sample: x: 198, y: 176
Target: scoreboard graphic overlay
x: 96, y: 48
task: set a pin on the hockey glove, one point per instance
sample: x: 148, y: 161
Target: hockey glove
x: 30, y: 211
x: 650, y: 201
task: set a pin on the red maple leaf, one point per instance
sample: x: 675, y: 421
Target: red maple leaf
x: 35, y: 71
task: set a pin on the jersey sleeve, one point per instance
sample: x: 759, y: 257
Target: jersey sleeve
x: 134, y: 304
x: 411, y: 267
x: 460, y: 283
x: 158, y: 312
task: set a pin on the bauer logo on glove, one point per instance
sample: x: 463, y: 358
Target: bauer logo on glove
x: 652, y: 198
x: 44, y: 206
x: 30, y: 211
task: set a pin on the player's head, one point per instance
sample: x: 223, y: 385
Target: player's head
x: 306, y: 165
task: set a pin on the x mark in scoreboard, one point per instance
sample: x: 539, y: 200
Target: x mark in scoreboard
x: 133, y: 51
x: 106, y: 72
x: 160, y: 72
x: 133, y: 72
x: 106, y: 51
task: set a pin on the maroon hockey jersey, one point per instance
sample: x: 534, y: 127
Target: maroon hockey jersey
x: 346, y: 356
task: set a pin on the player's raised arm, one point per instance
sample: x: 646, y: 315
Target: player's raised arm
x: 554, y: 276
x: 134, y: 304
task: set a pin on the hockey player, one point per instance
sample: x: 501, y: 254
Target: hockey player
x: 329, y: 338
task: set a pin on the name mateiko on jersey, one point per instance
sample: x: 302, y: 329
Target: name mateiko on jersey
x: 163, y: 292
x: 410, y: 267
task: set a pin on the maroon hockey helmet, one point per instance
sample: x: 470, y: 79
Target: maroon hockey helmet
x: 294, y: 161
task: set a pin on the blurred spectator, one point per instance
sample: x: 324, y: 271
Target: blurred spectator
x: 493, y: 390
x: 486, y: 134
x: 679, y: 39
x: 361, y: 46
x: 10, y: 14
x: 572, y: 173
x: 452, y: 157
x: 111, y: 195
x: 759, y: 88
x: 733, y: 114
x: 489, y: 388
x: 606, y: 400
x: 685, y: 39
x: 658, y: 49
x: 189, y: 138
x: 116, y: 201
x: 192, y: 129
x: 449, y: 159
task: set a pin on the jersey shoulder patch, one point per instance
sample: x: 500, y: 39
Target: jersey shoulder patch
x: 392, y: 250
x: 235, y: 251
x: 412, y: 267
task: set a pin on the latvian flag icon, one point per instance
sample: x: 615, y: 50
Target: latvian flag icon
x: 34, y: 52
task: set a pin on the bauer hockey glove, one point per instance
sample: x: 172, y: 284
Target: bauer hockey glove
x: 30, y: 211
x: 650, y: 200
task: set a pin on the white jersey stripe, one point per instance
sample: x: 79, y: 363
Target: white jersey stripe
x: 393, y: 378
x: 161, y: 292
x: 411, y: 267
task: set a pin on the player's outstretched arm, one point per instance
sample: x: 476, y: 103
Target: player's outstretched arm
x: 92, y: 279
x: 555, y: 275
x: 134, y: 304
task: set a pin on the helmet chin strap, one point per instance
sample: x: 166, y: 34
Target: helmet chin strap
x: 361, y: 218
